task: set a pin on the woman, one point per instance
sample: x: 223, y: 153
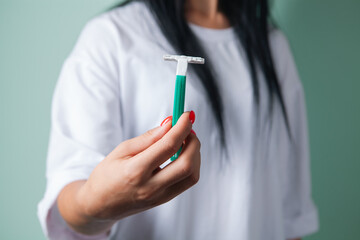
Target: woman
x: 103, y: 173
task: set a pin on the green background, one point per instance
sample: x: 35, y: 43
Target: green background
x: 36, y: 36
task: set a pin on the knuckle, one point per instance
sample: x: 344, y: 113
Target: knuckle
x: 199, y: 143
x: 187, y: 168
x: 134, y: 177
x: 195, y: 178
x: 170, y: 145
x: 188, y: 126
x: 151, y: 135
x: 145, y: 195
x: 124, y: 145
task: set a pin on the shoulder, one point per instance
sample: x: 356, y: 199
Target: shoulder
x: 279, y: 44
x: 115, y: 28
x: 131, y: 16
x: 283, y: 60
x: 277, y: 37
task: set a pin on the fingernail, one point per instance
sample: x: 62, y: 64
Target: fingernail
x: 192, y: 117
x: 192, y: 131
x: 166, y: 120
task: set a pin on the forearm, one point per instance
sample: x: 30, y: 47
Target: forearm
x: 71, y: 208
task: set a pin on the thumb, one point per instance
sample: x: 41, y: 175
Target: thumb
x: 138, y: 144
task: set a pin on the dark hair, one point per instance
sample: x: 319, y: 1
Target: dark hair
x: 250, y: 20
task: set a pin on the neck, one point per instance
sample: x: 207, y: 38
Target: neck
x: 205, y: 13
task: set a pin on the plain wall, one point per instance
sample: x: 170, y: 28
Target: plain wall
x: 36, y: 36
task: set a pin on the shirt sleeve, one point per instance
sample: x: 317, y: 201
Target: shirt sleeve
x: 300, y: 213
x: 85, y: 120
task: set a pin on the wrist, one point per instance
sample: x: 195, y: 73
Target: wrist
x: 87, y: 206
x: 82, y: 203
x: 73, y: 205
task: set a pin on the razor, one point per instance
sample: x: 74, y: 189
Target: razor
x: 180, y: 84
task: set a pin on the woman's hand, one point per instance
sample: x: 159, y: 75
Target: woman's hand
x: 129, y: 180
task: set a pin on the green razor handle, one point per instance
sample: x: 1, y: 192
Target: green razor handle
x: 179, y: 102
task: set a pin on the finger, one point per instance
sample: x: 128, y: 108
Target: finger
x: 166, y: 147
x: 138, y: 144
x: 179, y: 188
x: 187, y: 164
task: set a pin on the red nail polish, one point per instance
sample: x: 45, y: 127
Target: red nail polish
x: 192, y: 117
x: 166, y: 120
x: 192, y: 131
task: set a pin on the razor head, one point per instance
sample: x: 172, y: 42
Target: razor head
x: 177, y: 58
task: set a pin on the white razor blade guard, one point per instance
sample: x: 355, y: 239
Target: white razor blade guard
x: 195, y: 60
x: 183, y: 62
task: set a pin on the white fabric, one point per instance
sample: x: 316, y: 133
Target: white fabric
x: 115, y: 86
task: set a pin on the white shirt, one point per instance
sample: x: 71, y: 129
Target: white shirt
x: 115, y: 86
